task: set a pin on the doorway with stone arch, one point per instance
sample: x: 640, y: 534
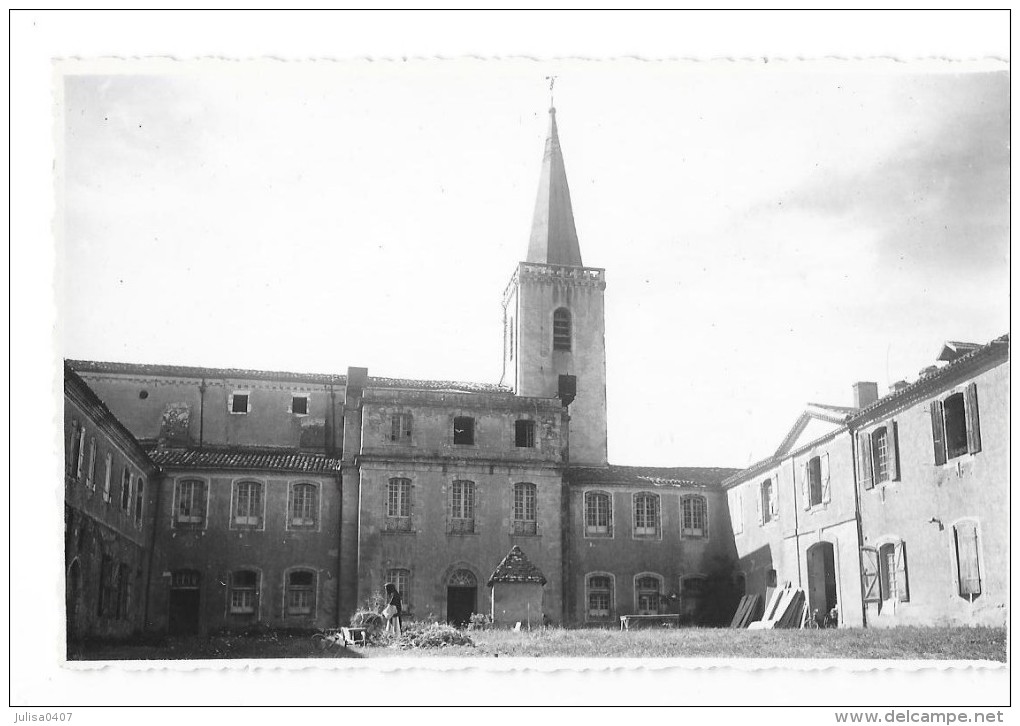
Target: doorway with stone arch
x: 461, y: 597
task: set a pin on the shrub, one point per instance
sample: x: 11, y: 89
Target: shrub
x: 432, y: 635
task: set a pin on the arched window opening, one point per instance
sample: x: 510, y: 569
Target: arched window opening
x: 243, y: 592
x: 561, y: 329
x: 648, y: 591
x: 525, y: 521
x: 301, y: 592
x: 646, y: 515
x: 462, y: 507
x: 694, y: 517
x: 600, y: 597
x: 598, y: 514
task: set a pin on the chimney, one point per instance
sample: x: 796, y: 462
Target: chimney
x: 927, y: 371
x: 898, y: 386
x: 865, y: 393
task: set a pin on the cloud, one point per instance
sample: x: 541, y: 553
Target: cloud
x: 939, y: 200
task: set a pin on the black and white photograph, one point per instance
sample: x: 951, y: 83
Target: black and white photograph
x: 377, y: 365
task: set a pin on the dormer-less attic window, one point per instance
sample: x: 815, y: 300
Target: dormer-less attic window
x: 561, y: 329
x: 299, y: 405
x: 240, y: 402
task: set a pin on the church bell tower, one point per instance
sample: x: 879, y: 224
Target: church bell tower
x: 554, y: 316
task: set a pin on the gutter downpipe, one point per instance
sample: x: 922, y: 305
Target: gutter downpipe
x: 201, y: 413
x: 854, y: 458
x: 152, y: 548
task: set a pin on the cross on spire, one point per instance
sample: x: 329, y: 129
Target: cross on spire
x: 552, y: 103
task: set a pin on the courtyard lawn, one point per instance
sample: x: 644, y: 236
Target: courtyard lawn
x: 938, y: 643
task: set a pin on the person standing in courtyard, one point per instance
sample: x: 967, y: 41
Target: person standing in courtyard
x: 393, y: 611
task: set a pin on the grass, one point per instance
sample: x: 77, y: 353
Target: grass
x: 905, y: 643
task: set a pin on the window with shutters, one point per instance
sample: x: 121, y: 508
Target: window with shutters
x: 814, y: 474
x: 463, y: 430
x: 646, y: 515
x: 647, y: 594
x: 299, y: 404
x: 892, y: 570
x: 108, y: 479
x: 599, y: 586
x: 400, y: 428
x: 239, y: 402
x: 736, y: 505
x: 968, y: 563
x: 880, y: 454
x: 244, y: 592
x: 304, y: 506
x: 301, y: 593
x: 525, y: 519
x: 561, y: 329
x: 398, y: 505
x: 524, y: 434
x: 190, y: 507
x: 401, y: 579
x: 90, y: 476
x: 248, y: 505
x: 694, y: 516
x: 462, y: 507
x: 125, y: 489
x: 878, y: 457
x: 598, y: 514
x: 955, y: 424
x: 768, y: 502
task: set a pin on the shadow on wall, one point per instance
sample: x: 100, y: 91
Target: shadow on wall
x: 756, y: 572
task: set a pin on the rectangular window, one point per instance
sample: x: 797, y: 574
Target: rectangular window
x: 107, y: 495
x: 880, y: 454
x: 401, y: 579
x: 598, y: 514
x: 525, y: 509
x: 191, y: 502
x: 248, y: 504
x: 462, y: 507
x: 400, y: 427
x: 139, y: 500
x: 398, y: 505
x: 125, y: 489
x: 524, y: 434
x: 694, y: 517
x: 298, y: 405
x: 463, y: 430
x: 304, y: 500
x: 239, y: 402
x: 646, y: 515
x: 647, y: 590
x: 90, y: 479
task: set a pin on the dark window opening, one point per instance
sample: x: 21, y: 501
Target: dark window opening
x: 771, y: 578
x: 400, y: 427
x: 300, y: 593
x: 240, y: 403
x: 768, y: 506
x: 463, y: 430
x: 561, y: 329
x: 298, y: 405
x: 954, y: 411
x: 814, y: 469
x: 243, y: 592
x: 524, y: 433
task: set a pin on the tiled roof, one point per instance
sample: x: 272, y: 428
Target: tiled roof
x: 174, y: 371
x: 249, y: 459
x: 655, y: 475
x: 516, y: 567
x: 999, y: 345
x: 157, y: 369
x: 426, y: 385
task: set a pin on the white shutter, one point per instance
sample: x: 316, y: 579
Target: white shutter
x: 775, y: 495
x: 230, y: 403
x: 758, y: 508
x: 826, y: 489
x: 738, y: 511
x: 805, y: 488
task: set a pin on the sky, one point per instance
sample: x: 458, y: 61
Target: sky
x: 771, y: 232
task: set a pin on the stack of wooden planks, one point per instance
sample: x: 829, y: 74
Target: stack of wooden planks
x: 749, y: 610
x: 785, y: 609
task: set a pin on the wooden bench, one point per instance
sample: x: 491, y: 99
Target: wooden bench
x: 638, y: 621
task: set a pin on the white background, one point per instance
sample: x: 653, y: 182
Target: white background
x: 37, y: 677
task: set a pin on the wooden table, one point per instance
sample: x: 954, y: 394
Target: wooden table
x: 637, y: 620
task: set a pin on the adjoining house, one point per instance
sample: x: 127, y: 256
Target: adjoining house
x: 892, y: 511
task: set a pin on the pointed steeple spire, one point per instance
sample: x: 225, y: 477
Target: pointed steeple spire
x: 553, y: 235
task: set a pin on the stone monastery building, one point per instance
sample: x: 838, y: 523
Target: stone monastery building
x: 199, y: 498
